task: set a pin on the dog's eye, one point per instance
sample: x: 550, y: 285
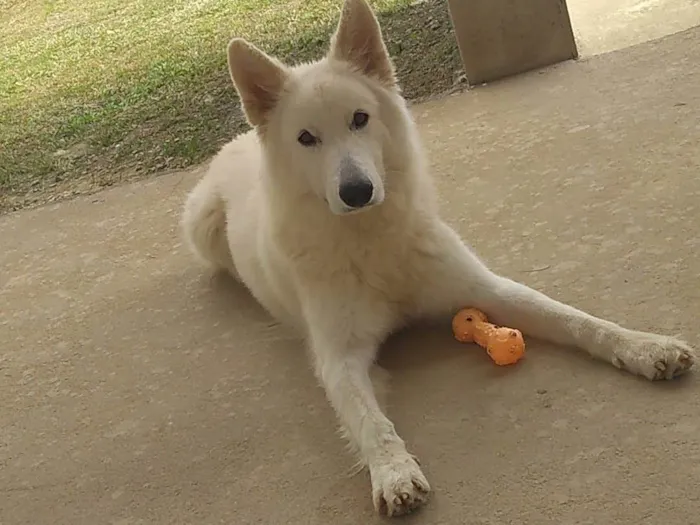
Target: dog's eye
x: 360, y: 119
x: 307, y: 139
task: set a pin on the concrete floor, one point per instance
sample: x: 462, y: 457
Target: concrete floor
x: 136, y: 390
x: 606, y: 25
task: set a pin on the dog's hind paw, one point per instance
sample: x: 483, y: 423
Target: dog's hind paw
x: 398, y: 485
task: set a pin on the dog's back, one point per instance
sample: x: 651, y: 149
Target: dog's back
x: 223, y: 203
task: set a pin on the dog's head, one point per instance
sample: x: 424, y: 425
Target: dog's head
x: 325, y: 126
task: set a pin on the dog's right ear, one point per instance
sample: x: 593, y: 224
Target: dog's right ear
x: 258, y: 78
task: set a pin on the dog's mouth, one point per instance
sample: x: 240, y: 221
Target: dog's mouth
x: 356, y: 211
x: 342, y: 208
x: 346, y: 210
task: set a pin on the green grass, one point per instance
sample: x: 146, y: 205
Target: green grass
x: 97, y: 92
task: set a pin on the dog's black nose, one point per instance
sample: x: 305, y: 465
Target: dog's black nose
x: 356, y: 193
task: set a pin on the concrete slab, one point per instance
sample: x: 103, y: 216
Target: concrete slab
x: 601, y: 26
x: 137, y: 391
x: 501, y: 38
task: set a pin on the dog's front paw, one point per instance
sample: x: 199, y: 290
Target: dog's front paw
x: 654, y: 356
x: 398, y: 485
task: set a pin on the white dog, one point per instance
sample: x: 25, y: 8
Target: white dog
x: 326, y: 212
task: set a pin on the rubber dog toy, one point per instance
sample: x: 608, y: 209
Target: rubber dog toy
x: 505, y: 346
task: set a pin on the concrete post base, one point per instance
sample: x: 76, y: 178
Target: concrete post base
x: 499, y: 38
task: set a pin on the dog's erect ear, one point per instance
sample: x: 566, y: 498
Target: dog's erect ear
x: 259, y: 79
x: 358, y: 40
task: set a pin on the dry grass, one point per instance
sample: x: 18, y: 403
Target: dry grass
x: 99, y: 92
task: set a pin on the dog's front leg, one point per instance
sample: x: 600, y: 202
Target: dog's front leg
x: 459, y: 278
x: 342, y: 364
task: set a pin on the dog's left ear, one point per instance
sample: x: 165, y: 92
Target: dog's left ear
x: 358, y: 41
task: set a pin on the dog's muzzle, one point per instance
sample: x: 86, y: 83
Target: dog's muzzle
x: 356, y: 189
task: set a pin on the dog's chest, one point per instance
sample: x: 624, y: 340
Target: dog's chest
x: 383, y: 268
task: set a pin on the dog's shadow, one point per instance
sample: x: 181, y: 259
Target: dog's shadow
x: 229, y: 295
x: 425, y: 344
x: 424, y: 366
x: 427, y: 348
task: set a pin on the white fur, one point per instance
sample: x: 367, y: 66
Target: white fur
x: 268, y: 211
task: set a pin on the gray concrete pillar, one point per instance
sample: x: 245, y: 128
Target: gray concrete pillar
x: 499, y: 38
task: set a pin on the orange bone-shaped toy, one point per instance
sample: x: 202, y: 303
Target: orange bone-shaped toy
x: 505, y: 346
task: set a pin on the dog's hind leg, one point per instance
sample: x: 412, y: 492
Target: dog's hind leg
x: 458, y: 278
x: 204, y: 226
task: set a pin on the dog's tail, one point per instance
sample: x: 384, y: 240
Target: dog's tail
x: 204, y: 225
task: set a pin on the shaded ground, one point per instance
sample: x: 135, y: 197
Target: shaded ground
x: 175, y: 107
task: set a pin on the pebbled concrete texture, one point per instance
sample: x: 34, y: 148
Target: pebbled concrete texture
x: 137, y: 389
